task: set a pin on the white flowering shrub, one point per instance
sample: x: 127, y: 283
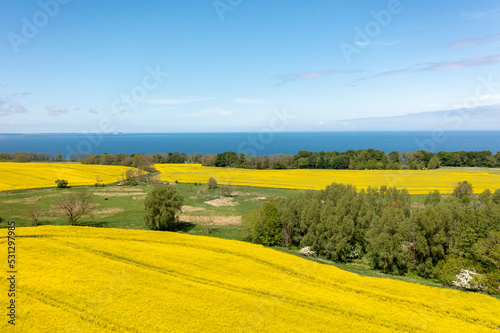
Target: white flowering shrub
x: 469, y: 279
x: 355, y: 252
x: 307, y: 251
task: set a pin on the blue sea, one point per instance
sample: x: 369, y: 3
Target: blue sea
x: 263, y: 143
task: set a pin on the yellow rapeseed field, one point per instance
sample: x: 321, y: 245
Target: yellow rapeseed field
x: 82, y: 279
x: 20, y: 176
x: 415, y: 181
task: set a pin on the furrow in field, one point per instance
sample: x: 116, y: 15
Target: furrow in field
x: 100, y: 322
x: 199, y: 280
x: 341, y: 291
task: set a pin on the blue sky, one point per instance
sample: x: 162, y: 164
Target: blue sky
x: 240, y: 65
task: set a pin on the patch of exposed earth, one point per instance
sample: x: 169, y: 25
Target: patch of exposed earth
x: 212, y: 220
x: 221, y: 202
x: 189, y: 209
x: 119, y: 194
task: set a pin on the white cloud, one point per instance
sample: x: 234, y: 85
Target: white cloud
x: 93, y: 110
x: 8, y: 107
x: 286, y: 78
x: 172, y: 101
x: 466, y: 42
x: 437, y: 67
x: 479, y: 15
x: 56, y: 111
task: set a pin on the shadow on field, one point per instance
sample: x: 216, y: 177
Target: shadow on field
x: 95, y: 224
x: 183, y: 226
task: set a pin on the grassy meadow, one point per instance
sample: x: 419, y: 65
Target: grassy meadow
x: 111, y: 280
x: 123, y: 207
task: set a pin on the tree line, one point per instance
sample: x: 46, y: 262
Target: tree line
x: 380, y: 226
x: 23, y: 156
x: 370, y: 159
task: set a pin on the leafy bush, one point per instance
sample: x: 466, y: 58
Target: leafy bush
x: 492, y: 281
x: 212, y: 183
x: 448, y: 269
x: 61, y: 183
x: 227, y: 190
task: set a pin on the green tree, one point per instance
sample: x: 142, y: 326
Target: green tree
x: 462, y: 189
x: 496, y: 196
x: 433, y: 163
x: 311, y: 226
x: 161, y: 205
x: 485, y: 197
x: 429, y: 237
x: 21, y: 158
x: 289, y: 211
x: 487, y: 250
x: 346, y: 215
x: 228, y: 158
x: 263, y: 225
x: 433, y: 198
x: 385, y: 238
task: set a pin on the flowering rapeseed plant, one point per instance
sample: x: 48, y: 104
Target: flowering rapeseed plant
x: 82, y: 279
x: 20, y: 176
x: 415, y: 181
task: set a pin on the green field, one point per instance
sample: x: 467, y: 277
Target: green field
x: 123, y: 207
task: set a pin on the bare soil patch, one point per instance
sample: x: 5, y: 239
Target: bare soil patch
x: 13, y: 201
x: 221, y: 202
x: 109, y: 211
x: 119, y: 189
x: 240, y: 193
x: 118, y: 194
x: 213, y: 220
x: 188, y: 209
x: 256, y: 199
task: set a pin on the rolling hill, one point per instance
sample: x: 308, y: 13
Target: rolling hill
x: 83, y: 279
